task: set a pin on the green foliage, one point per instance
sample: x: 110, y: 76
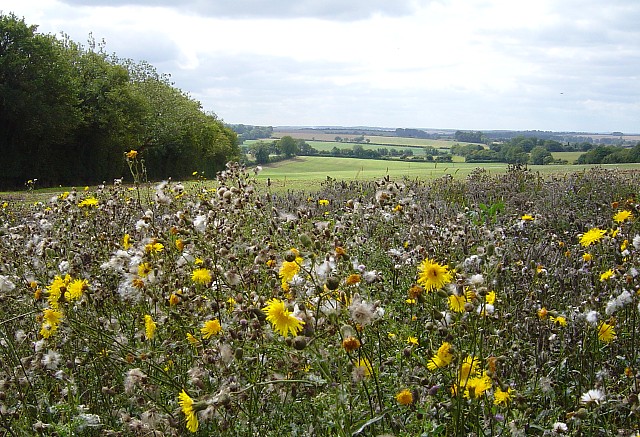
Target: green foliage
x: 68, y: 113
x: 610, y: 155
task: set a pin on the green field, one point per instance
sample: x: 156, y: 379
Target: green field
x: 307, y: 172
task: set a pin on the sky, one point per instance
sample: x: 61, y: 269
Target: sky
x: 558, y: 65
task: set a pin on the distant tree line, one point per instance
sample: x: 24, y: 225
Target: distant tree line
x: 537, y: 151
x: 68, y: 113
x: 249, y: 132
x: 610, y: 155
x: 287, y: 147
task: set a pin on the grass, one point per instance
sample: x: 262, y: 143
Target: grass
x: 501, y: 303
x: 304, y: 172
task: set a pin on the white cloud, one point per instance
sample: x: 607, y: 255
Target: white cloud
x: 468, y: 64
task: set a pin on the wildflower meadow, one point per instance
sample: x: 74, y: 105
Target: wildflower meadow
x: 494, y: 305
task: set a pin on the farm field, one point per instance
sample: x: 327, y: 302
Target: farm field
x: 306, y: 171
x: 502, y: 302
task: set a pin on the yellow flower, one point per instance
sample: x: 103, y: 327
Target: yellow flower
x: 352, y: 279
x: 281, y: 319
x: 456, y: 303
x: 201, y: 276
x: 55, y: 289
x: 606, y: 275
x: 131, y: 154
x: 363, y: 365
x: 74, y: 289
x: 126, y: 241
x: 527, y: 218
x: 179, y: 244
x: 606, y: 333
x: 144, y: 269
x: 51, y: 319
x: 405, y: 397
x: 502, y: 397
x: 560, y: 320
x: 441, y: 358
x: 593, y: 235
x: 623, y: 215
x: 323, y: 202
x: 174, y: 299
x: 433, y: 276
x: 89, y: 201
x: 288, y: 270
x: 186, y: 404
x: 476, y: 386
x: 490, y: 298
x: 412, y: 340
x: 587, y: 257
x: 153, y: 248
x: 468, y: 368
x: 542, y: 313
x: 149, y: 327
x: 211, y: 327
x: 191, y: 339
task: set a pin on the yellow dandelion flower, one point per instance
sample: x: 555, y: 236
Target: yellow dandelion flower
x: 281, y: 319
x: 433, y: 276
x: 149, y: 327
x: 353, y: 279
x: 288, y: 270
x: 89, y: 202
x: 75, y: 289
x: 186, y: 404
x: 606, y: 275
x: 560, y: 320
x: 623, y: 215
x: 593, y: 235
x: 526, y: 218
x: 131, y: 154
x: 363, y: 366
x: 441, y: 358
x: 490, y: 298
x: 192, y: 339
x: 456, y: 303
x: 126, y: 241
x: 174, y: 299
x: 323, y: 202
x: 179, y: 244
x: 210, y: 328
x: 502, y: 397
x: 201, y: 276
x: 56, y: 289
x: 586, y: 257
x: 606, y: 333
x: 144, y: 269
x: 468, y: 368
x: 542, y: 313
x: 476, y: 386
x: 405, y: 397
x: 412, y: 340
x: 153, y: 248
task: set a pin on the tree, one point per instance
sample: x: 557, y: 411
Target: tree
x: 260, y: 151
x: 38, y: 110
x: 288, y: 146
x: 540, y: 155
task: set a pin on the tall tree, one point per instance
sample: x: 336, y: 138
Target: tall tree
x: 38, y: 102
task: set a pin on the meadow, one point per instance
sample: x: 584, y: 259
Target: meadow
x: 486, y: 304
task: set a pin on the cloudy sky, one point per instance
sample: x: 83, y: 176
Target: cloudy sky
x: 562, y: 65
